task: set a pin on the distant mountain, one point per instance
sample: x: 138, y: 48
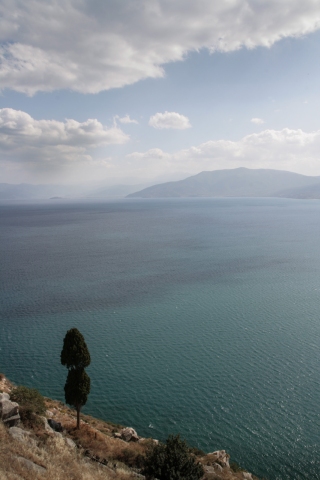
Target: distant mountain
x: 26, y: 191
x: 239, y: 182
x: 115, y: 191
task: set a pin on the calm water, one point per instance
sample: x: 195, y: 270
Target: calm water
x: 202, y: 317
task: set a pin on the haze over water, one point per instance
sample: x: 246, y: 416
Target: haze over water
x: 201, y: 317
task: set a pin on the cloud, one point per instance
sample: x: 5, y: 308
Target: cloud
x: 286, y: 149
x: 49, y: 144
x: 126, y: 119
x: 47, y: 150
x: 169, y: 120
x: 257, y: 121
x: 90, y: 46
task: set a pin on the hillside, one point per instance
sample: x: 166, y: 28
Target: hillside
x: 33, y: 450
x: 239, y: 182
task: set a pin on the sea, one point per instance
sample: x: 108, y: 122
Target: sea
x: 202, y: 317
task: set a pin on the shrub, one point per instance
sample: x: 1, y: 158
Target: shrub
x: 172, y: 461
x: 236, y: 468
x: 30, y: 401
x: 197, y: 451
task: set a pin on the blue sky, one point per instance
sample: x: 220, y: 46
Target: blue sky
x: 130, y: 92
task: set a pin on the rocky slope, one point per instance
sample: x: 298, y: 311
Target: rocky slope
x: 49, y: 447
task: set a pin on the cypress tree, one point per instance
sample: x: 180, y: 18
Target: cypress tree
x: 76, y: 357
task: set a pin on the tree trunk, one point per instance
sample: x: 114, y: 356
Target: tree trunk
x: 78, y: 416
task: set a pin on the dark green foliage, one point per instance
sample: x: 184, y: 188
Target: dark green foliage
x: 75, y: 356
x: 172, y: 461
x: 236, y: 468
x: 30, y: 401
x: 75, y: 353
x: 77, y: 387
x: 197, y: 451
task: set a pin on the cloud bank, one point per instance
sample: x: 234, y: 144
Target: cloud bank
x: 286, y: 149
x: 171, y: 120
x: 90, y: 46
x: 48, y: 145
x: 36, y: 150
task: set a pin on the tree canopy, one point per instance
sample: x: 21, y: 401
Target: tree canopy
x: 75, y: 353
x: 77, y: 387
x: 75, y: 356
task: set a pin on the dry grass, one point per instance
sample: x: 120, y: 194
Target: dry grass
x: 96, y: 437
x: 60, y: 461
x: 51, y: 452
x: 99, y: 455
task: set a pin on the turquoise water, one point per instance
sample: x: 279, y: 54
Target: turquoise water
x: 201, y: 317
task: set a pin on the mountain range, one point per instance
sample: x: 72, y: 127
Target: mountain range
x: 238, y: 182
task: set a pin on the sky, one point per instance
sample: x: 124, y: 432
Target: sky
x: 120, y: 91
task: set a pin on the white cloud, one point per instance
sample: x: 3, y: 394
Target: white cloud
x: 90, y: 46
x: 293, y: 150
x: 48, y: 144
x: 169, y: 120
x: 47, y: 150
x: 257, y: 121
x: 126, y: 119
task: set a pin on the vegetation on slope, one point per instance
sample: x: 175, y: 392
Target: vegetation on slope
x: 95, y: 454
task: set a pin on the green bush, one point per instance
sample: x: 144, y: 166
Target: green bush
x: 172, y: 461
x: 30, y: 401
x: 236, y: 468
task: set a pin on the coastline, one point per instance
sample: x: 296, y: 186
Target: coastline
x: 98, y: 445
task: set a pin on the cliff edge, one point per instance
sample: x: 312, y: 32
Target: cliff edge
x: 50, y: 447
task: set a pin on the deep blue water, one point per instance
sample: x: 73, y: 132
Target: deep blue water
x: 201, y: 316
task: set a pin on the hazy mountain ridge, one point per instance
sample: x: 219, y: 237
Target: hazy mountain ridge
x: 25, y: 191
x: 239, y: 182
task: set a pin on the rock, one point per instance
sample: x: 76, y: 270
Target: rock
x: 117, y: 435
x: 70, y: 443
x: 12, y: 421
x: 56, y: 426
x: 22, y: 436
x: 209, y: 469
x: 9, y: 411
x: 129, y: 435
x: 247, y: 475
x: 49, y: 413
x: 212, y: 468
x: 218, y: 467
x: 31, y: 465
x: 221, y: 457
x: 46, y: 424
x: 18, y: 433
x: 4, y: 396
